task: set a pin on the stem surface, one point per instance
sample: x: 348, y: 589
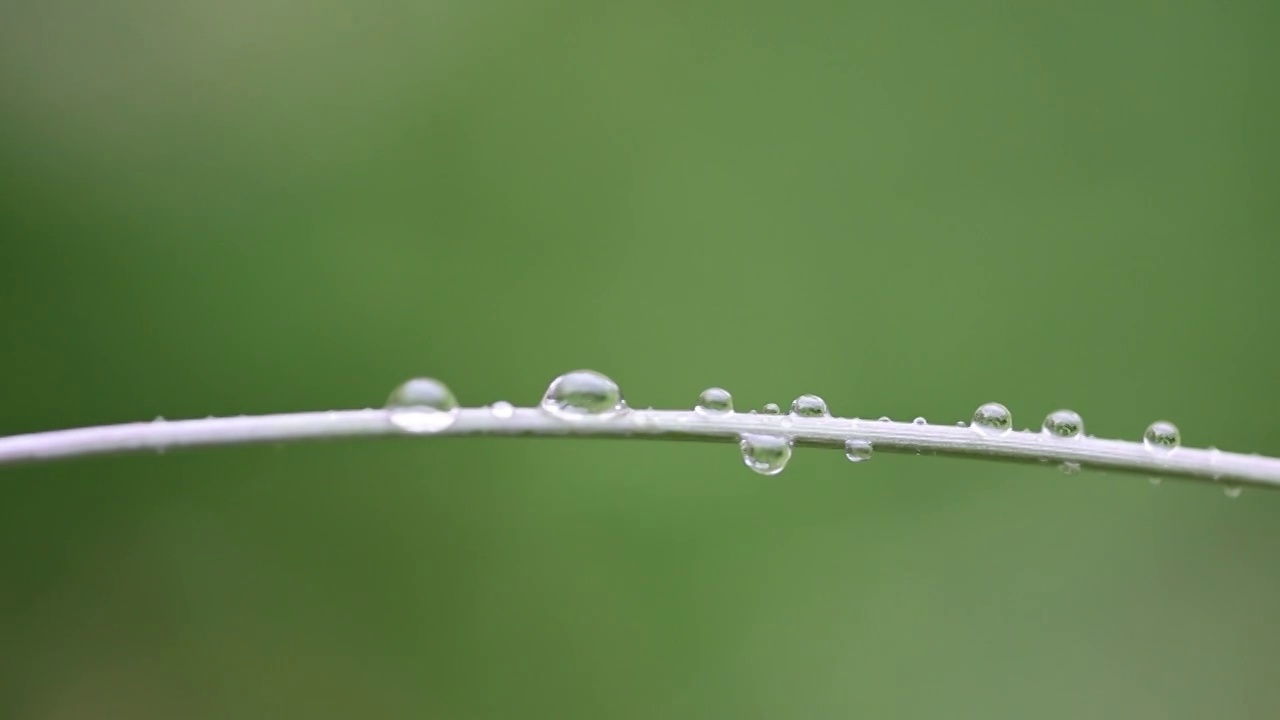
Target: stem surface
x: 1208, y: 465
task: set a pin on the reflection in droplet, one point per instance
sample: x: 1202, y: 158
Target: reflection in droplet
x: 422, y: 405
x: 992, y: 418
x: 809, y: 406
x: 583, y: 393
x: 857, y: 450
x: 714, y: 401
x: 765, y: 454
x: 1162, y: 436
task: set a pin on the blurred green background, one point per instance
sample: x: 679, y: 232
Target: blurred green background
x: 908, y: 208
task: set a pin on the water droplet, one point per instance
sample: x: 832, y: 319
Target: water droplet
x: 919, y: 421
x: 159, y: 420
x: 765, y: 454
x: 1215, y: 455
x: 502, y: 409
x: 583, y: 393
x: 1155, y: 481
x: 857, y: 449
x: 1232, y: 489
x: 884, y: 418
x: 992, y: 418
x: 772, y: 409
x: 1161, y: 436
x: 1070, y: 468
x: 809, y: 406
x: 714, y: 401
x: 1064, y: 423
x: 422, y: 405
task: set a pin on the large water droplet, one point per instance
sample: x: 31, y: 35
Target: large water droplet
x: 1161, y: 437
x: 715, y: 401
x: 857, y: 449
x: 422, y: 405
x: 583, y: 393
x: 771, y: 409
x: 992, y: 418
x: 1064, y: 423
x: 765, y: 454
x: 1232, y: 489
x: 502, y: 409
x: 809, y: 406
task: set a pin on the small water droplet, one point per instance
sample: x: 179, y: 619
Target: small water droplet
x: 992, y: 418
x: 884, y: 418
x: 422, y: 405
x: 772, y: 409
x: 1215, y: 455
x: 809, y: 406
x: 961, y: 424
x: 583, y: 393
x: 1070, y: 468
x: 714, y: 401
x: 502, y: 409
x: 1155, y: 480
x: 919, y: 421
x: 857, y: 449
x: 765, y: 454
x: 1063, y: 423
x: 1161, y: 437
x: 159, y: 420
x: 1232, y: 489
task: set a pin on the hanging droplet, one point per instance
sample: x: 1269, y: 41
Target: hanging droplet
x: 765, y: 454
x: 857, y: 449
x: 1161, y: 437
x: 714, y: 401
x: 502, y: 409
x: 583, y: 393
x: 422, y: 405
x: 1070, y: 468
x: 992, y: 418
x: 771, y: 409
x: 809, y: 406
x: 1064, y: 423
x: 1232, y: 489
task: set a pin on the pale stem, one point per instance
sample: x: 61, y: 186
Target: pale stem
x: 1209, y: 465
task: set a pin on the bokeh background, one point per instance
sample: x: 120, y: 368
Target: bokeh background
x: 255, y: 206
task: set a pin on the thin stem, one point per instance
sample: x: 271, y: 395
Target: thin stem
x: 1208, y: 465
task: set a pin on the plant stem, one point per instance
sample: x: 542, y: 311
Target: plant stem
x: 1208, y: 465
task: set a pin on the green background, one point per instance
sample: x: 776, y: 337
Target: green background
x: 255, y: 206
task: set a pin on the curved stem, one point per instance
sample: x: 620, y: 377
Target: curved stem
x: 1210, y: 465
